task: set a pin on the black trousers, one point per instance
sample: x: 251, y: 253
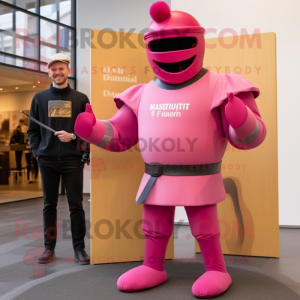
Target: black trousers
x: 31, y: 160
x: 19, y: 161
x: 72, y: 176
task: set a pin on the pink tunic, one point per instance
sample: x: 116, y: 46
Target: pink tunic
x: 184, y: 126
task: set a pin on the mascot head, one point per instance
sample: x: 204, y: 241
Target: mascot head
x: 174, y: 44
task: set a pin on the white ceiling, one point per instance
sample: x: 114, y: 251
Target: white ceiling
x: 13, y: 76
x: 4, y: 81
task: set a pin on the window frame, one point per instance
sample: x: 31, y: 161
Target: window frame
x: 39, y: 17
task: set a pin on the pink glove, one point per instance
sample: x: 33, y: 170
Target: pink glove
x: 104, y: 134
x: 85, y: 122
x: 236, y: 111
x: 242, y: 122
x: 245, y: 129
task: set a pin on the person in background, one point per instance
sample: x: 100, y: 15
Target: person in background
x: 57, y: 156
x: 30, y: 160
x: 24, y: 128
x: 18, y: 138
x: 28, y: 154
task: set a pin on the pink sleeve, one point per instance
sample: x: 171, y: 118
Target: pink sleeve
x: 131, y: 97
x: 120, y: 132
x: 125, y: 130
x: 232, y: 83
x: 124, y: 123
x: 116, y: 134
x: 247, y: 92
x: 259, y: 131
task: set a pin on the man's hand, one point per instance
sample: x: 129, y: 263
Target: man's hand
x: 64, y: 136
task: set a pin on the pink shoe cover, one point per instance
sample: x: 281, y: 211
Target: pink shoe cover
x: 140, y: 278
x: 211, y: 284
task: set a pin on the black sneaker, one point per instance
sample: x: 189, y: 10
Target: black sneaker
x: 81, y: 257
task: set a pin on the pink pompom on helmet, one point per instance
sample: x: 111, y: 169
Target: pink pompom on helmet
x: 174, y: 44
x: 159, y: 11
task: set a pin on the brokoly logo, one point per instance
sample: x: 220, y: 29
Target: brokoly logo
x: 31, y: 258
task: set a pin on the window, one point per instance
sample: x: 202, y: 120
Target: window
x: 33, y: 30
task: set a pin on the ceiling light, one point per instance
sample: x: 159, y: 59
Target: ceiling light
x: 17, y: 88
x: 34, y: 86
x: 38, y: 82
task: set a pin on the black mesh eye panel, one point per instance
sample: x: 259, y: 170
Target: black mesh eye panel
x: 173, y: 44
x: 176, y: 67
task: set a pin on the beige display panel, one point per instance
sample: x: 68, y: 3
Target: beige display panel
x: 115, y: 177
x: 248, y: 217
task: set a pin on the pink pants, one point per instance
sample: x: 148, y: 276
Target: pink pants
x: 158, y: 227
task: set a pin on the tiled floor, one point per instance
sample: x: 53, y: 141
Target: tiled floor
x: 13, y: 247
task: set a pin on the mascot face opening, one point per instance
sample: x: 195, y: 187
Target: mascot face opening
x: 174, y: 44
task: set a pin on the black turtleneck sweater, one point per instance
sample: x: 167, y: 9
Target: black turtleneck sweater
x: 43, y: 142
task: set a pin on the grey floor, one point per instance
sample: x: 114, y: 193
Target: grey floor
x: 13, y: 247
x: 19, y: 188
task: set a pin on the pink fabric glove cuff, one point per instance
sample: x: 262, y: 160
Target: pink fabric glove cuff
x: 97, y: 133
x: 246, y: 128
x: 236, y: 111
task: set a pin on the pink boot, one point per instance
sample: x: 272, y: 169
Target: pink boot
x: 140, y: 278
x: 205, y: 228
x: 157, y: 228
x: 211, y: 284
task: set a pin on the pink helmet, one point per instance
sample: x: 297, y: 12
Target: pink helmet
x: 174, y: 44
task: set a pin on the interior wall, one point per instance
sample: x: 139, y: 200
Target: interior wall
x: 16, y: 101
x: 111, y: 15
x: 282, y: 18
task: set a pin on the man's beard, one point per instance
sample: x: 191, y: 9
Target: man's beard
x: 62, y: 82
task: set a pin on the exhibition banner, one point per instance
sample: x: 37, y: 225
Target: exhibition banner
x: 249, y: 217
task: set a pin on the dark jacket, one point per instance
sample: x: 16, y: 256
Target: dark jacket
x: 59, y: 116
x: 17, y: 137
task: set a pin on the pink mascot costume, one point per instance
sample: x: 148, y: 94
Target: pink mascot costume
x: 183, y: 120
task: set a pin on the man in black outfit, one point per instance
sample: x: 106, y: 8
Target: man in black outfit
x: 56, y: 153
x: 18, y: 138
